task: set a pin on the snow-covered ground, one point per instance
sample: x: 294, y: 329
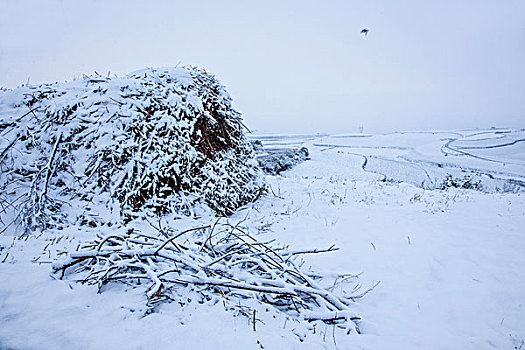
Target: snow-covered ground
x: 450, y: 262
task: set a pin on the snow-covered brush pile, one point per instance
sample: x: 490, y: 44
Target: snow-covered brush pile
x: 160, y: 140
x: 218, y: 264
x: 275, y: 161
x: 466, y: 182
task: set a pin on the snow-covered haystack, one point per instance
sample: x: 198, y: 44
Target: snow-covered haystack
x: 157, y: 140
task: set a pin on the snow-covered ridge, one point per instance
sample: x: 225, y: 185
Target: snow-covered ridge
x: 492, y: 158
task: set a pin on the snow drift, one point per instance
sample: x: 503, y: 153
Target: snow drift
x: 161, y: 140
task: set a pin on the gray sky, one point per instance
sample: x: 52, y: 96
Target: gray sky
x: 294, y: 66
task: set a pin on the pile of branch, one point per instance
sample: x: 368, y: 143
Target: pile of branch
x: 161, y: 140
x: 218, y: 264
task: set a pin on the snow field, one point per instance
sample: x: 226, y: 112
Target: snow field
x: 449, y: 263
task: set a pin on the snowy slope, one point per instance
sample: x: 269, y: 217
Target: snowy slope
x: 450, y: 262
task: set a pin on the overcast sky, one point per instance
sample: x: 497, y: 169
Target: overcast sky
x: 294, y: 66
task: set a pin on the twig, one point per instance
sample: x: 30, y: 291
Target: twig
x: 180, y: 234
x: 30, y: 111
x: 332, y: 248
x: 365, y: 292
x: 4, y: 152
x: 210, y: 235
x: 48, y: 166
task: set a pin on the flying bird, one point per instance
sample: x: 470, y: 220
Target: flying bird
x: 365, y: 31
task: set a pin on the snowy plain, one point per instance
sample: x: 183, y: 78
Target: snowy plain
x: 449, y: 262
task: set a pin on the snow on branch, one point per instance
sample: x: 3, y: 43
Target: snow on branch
x: 157, y: 140
x: 222, y: 262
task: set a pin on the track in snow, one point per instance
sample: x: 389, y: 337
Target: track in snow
x: 494, y: 157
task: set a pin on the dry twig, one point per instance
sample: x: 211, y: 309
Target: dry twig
x: 234, y: 265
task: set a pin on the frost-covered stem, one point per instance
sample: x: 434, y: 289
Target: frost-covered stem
x: 157, y: 286
x: 4, y: 152
x: 107, y: 238
x: 48, y: 166
x: 209, y: 236
x: 326, y: 294
x: 222, y: 257
x: 365, y: 292
x: 289, y: 254
x: 231, y: 284
x: 178, y: 235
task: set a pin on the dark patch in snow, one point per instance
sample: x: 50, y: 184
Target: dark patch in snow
x: 274, y: 161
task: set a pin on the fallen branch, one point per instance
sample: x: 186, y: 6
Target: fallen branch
x: 234, y: 265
